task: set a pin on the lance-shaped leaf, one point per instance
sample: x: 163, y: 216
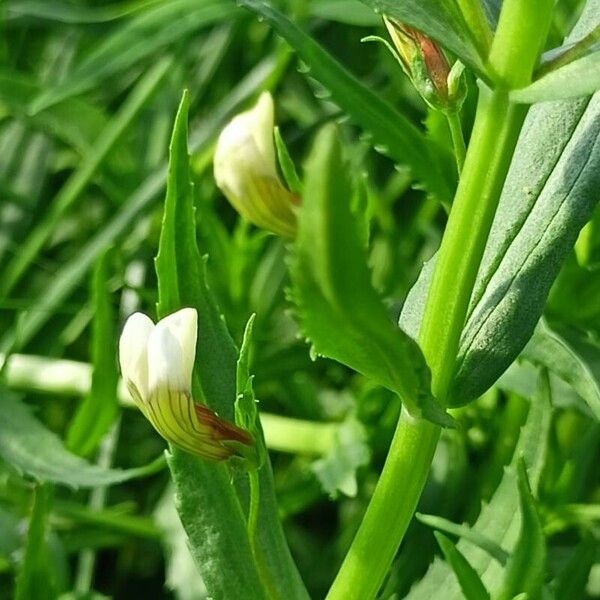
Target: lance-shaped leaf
x: 34, y: 450
x: 392, y: 132
x: 526, y: 566
x: 573, y: 358
x: 470, y: 582
x: 208, y: 503
x: 340, y: 311
x: 578, y: 78
x: 550, y: 192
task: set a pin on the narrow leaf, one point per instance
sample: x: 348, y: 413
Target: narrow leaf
x: 466, y: 533
x: 526, y: 566
x: 32, y: 449
x: 35, y: 579
x: 340, y: 311
x: 571, y: 357
x: 499, y: 520
x: 468, y: 579
x: 99, y: 408
x: 578, y: 78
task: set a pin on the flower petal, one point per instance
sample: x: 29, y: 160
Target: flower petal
x: 133, y: 355
x: 172, y: 351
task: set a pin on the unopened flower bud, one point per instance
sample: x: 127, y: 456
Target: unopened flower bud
x: 424, y: 62
x: 245, y: 170
x: 156, y: 364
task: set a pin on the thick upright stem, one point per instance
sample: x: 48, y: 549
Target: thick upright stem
x: 389, y: 512
x: 515, y: 49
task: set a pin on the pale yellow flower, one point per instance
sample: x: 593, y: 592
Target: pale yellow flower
x: 157, y: 363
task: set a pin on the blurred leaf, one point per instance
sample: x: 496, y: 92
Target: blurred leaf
x: 571, y: 581
x: 35, y: 451
x: 466, y: 533
x: 527, y: 564
x: 133, y: 41
x: 350, y: 12
x: 70, y: 13
x: 81, y: 177
x: 578, y: 78
x: 100, y: 407
x: 35, y: 579
x: 336, y: 471
x: 68, y: 277
x: 339, y: 310
x: 468, y: 579
x: 207, y: 502
x: 568, y: 354
x: 499, y: 520
x: 441, y: 20
x: 392, y: 132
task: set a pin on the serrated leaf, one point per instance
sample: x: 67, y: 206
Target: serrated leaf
x: 336, y: 471
x: 527, y: 564
x: 339, y: 310
x: 578, y: 78
x: 470, y: 583
x: 568, y: 354
x: 391, y: 130
x: 441, y: 20
x: 208, y: 504
x: 499, y: 520
x: 32, y: 449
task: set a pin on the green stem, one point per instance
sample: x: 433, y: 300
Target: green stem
x: 474, y: 15
x: 253, y: 507
x: 514, y: 52
x: 389, y: 512
x: 495, y: 132
x: 458, y: 139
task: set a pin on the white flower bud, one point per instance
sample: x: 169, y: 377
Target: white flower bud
x: 245, y: 170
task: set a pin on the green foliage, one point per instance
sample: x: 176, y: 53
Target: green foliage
x: 99, y: 409
x: 88, y: 92
x: 35, y: 451
x: 570, y: 356
x: 499, y: 520
x: 35, y: 580
x: 578, y: 78
x: 470, y: 583
x: 340, y: 312
x: 526, y: 566
x: 337, y: 469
